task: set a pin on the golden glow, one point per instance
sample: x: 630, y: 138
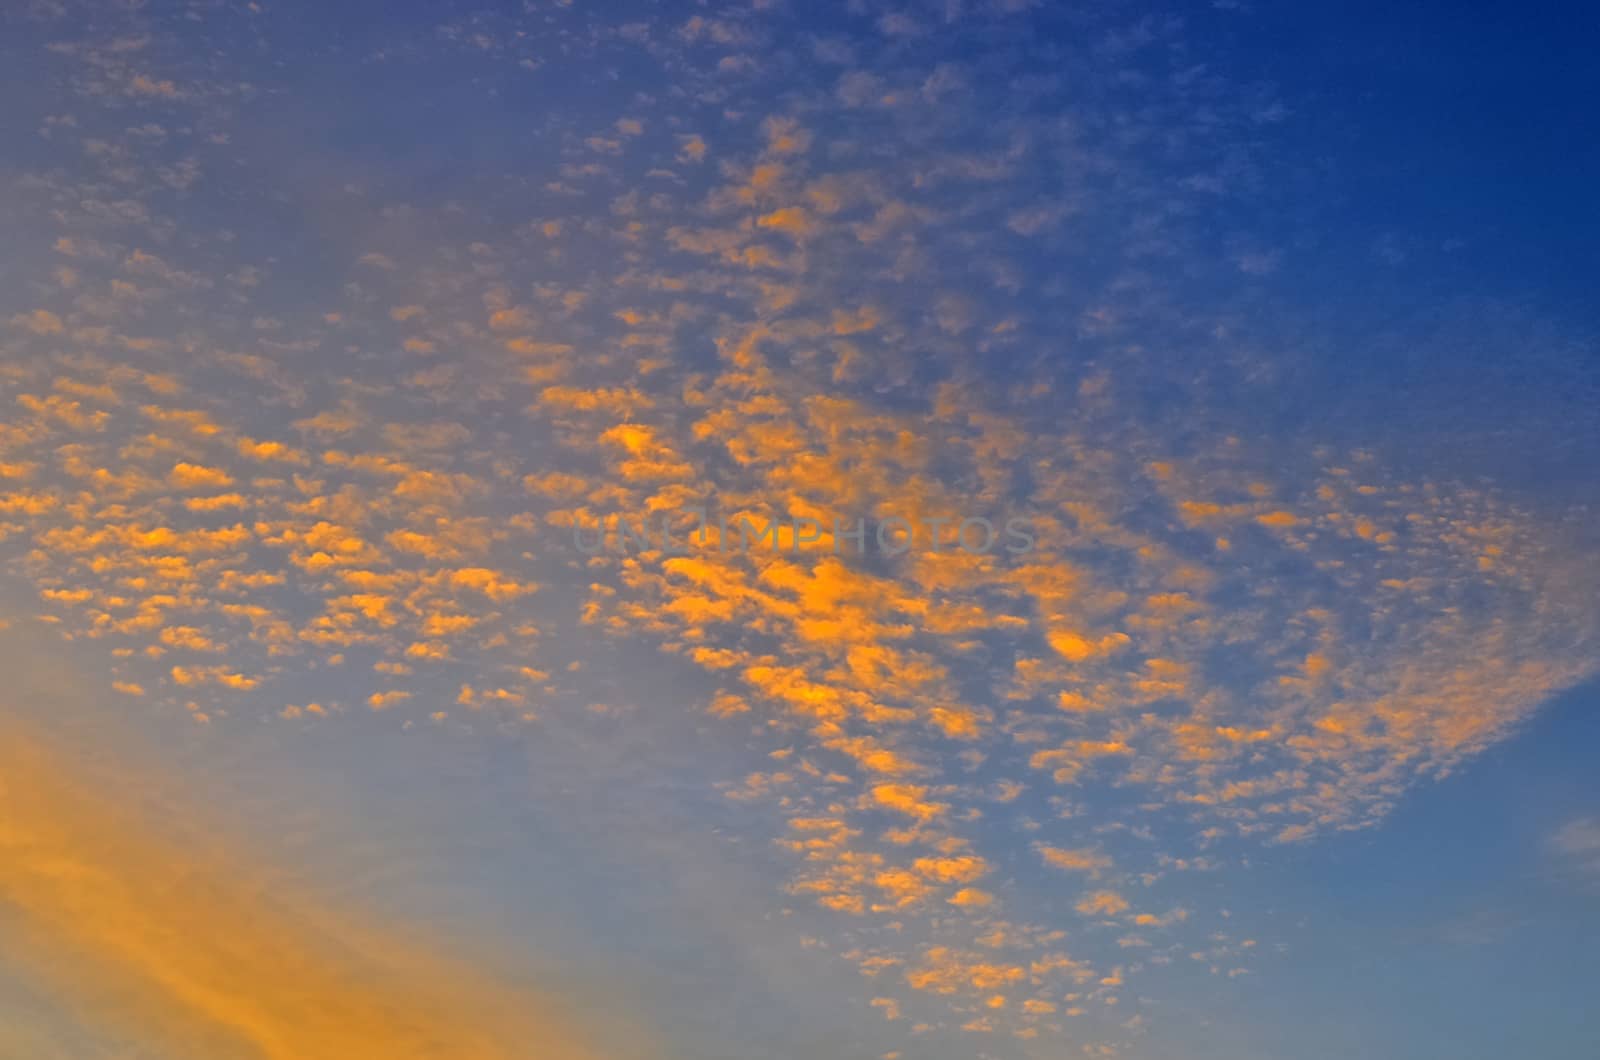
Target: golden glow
x: 196, y: 954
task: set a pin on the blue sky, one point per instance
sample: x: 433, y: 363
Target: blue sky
x: 324, y: 327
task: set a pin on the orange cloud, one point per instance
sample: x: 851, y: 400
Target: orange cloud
x: 183, y: 952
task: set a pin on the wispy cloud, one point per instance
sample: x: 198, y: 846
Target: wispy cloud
x: 198, y: 953
x: 1577, y: 844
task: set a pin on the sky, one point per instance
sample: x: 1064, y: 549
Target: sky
x: 767, y: 530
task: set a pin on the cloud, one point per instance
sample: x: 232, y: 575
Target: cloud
x: 1577, y: 843
x: 193, y: 952
x: 854, y: 307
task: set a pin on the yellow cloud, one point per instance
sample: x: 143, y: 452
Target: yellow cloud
x: 195, y: 476
x: 1103, y: 903
x: 1089, y: 861
x: 40, y: 322
x: 188, y: 954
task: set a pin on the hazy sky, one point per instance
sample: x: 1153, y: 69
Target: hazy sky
x: 1263, y: 339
